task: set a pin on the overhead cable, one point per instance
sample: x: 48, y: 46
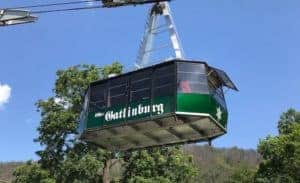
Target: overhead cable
x: 66, y: 9
x: 53, y: 4
x: 41, y: 11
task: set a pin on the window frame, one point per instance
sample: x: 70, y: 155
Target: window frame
x: 185, y: 72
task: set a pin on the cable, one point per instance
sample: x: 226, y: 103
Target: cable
x: 53, y: 4
x: 83, y: 8
x: 65, y: 9
x: 76, y: 8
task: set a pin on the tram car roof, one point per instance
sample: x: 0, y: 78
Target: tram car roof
x: 223, y: 77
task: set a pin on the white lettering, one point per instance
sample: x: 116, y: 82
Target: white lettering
x: 160, y: 108
x: 129, y: 112
x: 156, y: 109
x: 134, y: 111
x: 140, y: 109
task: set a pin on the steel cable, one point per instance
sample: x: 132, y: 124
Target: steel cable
x: 41, y: 11
x: 66, y: 9
x: 53, y: 4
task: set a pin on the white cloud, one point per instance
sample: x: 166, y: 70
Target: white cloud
x: 5, y: 92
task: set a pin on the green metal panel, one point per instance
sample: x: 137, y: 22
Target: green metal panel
x: 202, y: 103
x: 134, y: 111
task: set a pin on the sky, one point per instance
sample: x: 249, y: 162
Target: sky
x: 256, y: 42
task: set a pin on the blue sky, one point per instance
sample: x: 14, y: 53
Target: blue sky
x: 256, y: 42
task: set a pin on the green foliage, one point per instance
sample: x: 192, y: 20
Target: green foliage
x: 56, y: 125
x: 242, y: 174
x: 60, y: 115
x: 281, y: 157
x: 219, y: 164
x: 114, y: 68
x: 170, y: 163
x: 215, y: 164
x: 139, y: 179
x: 72, y: 83
x: 66, y: 159
x: 32, y: 172
x: 286, y: 119
x: 82, y: 169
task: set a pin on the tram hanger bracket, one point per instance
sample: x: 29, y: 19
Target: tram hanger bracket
x: 118, y: 3
x: 146, y: 46
x: 14, y: 16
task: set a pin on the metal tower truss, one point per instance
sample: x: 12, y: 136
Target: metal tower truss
x: 153, y: 30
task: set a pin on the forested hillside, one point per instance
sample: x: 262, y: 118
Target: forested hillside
x: 218, y: 164
x: 6, y: 170
x: 215, y: 164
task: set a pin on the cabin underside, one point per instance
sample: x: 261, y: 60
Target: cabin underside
x: 177, y: 129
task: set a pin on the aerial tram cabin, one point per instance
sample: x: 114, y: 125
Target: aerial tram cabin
x: 173, y: 102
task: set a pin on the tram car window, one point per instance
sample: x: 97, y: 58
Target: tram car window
x: 164, y: 80
x: 191, y: 78
x: 117, y: 91
x: 140, y: 85
x: 97, y: 97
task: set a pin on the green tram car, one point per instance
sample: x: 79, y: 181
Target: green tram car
x: 174, y: 102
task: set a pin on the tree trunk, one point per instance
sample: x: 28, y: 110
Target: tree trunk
x: 105, y: 173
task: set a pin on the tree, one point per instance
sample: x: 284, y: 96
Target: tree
x: 281, y: 157
x: 60, y: 116
x: 153, y: 164
x: 66, y: 158
x: 286, y: 119
x: 32, y: 172
x: 139, y: 179
x: 82, y: 167
x: 242, y: 174
x: 114, y: 68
